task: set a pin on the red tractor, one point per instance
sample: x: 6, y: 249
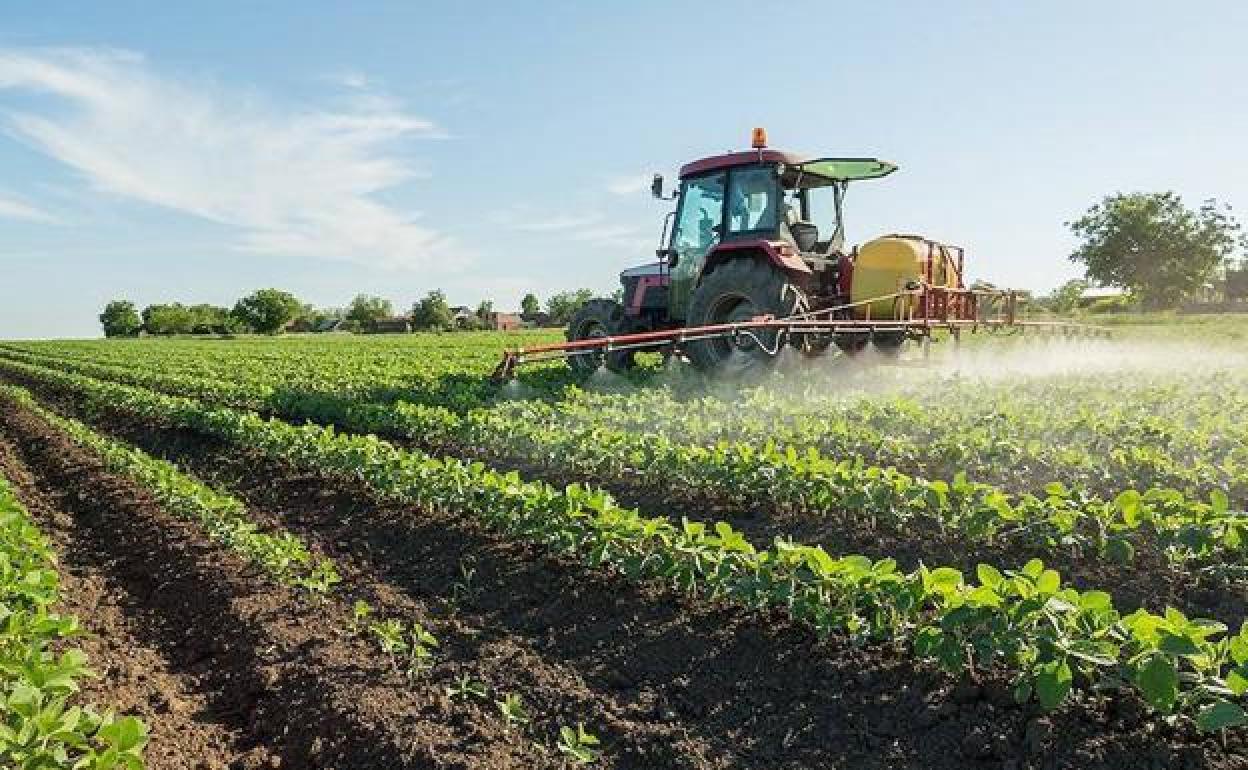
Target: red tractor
x: 754, y: 258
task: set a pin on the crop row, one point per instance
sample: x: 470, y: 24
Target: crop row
x: 1052, y: 637
x: 1208, y: 533
x: 426, y: 368
x: 1091, y: 431
x: 40, y: 725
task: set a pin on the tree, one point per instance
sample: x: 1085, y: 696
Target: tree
x: 267, y: 310
x: 172, y: 318
x: 484, y: 309
x: 564, y: 305
x: 530, y: 305
x: 211, y: 319
x: 121, y: 319
x: 432, y: 313
x: 367, y: 309
x: 1065, y: 298
x: 1153, y: 245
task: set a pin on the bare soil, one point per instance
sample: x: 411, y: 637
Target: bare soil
x: 665, y: 682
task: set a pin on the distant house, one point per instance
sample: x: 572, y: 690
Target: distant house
x: 1094, y: 293
x: 462, y: 315
x: 390, y: 325
x: 300, y: 325
x: 327, y: 325
x: 503, y: 322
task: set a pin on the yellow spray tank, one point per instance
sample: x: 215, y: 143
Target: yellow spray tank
x: 886, y: 265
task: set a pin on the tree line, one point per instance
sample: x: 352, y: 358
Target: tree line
x: 1158, y: 250
x: 271, y: 311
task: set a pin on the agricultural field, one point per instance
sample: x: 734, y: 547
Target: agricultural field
x: 359, y: 552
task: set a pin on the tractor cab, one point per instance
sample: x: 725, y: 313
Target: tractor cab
x: 782, y: 207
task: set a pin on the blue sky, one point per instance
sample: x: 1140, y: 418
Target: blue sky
x: 197, y: 151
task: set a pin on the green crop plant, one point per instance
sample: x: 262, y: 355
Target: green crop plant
x: 466, y: 687
x: 513, y: 712
x: 420, y: 648
x: 361, y: 611
x: 40, y: 725
x: 579, y: 745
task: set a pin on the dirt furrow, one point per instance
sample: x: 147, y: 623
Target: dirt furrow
x: 131, y: 673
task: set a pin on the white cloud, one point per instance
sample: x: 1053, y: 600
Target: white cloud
x: 628, y: 185
x: 12, y: 207
x: 292, y: 181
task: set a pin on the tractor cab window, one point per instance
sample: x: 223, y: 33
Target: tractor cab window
x: 701, y: 216
x: 753, y: 200
x: 699, y: 226
x: 822, y: 212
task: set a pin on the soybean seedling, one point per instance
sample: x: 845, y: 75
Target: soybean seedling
x: 512, y: 709
x: 578, y: 745
x: 464, y: 589
x: 389, y: 635
x: 360, y: 612
x: 465, y: 687
x: 420, y: 651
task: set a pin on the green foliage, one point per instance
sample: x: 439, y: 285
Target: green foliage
x: 267, y: 311
x: 530, y: 304
x: 563, y: 306
x: 40, y: 727
x: 212, y: 319
x: 432, y: 313
x: 165, y: 319
x: 366, y: 309
x: 1154, y: 245
x: 484, y: 309
x: 511, y: 707
x: 466, y: 687
x: 578, y: 745
x: 1111, y: 305
x: 121, y: 319
x: 1065, y: 299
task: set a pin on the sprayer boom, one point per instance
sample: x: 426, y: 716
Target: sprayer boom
x: 769, y: 334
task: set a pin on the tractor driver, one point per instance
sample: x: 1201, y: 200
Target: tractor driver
x: 754, y: 204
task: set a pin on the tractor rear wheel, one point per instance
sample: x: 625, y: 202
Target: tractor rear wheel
x: 596, y: 319
x: 736, y: 292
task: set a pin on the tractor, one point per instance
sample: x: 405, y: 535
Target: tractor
x: 753, y: 259
x: 760, y: 233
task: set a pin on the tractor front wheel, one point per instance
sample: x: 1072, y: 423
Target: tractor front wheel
x: 596, y: 319
x: 736, y: 292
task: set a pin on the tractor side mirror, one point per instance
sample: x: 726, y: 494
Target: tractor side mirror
x: 656, y: 186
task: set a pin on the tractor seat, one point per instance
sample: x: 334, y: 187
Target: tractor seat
x: 805, y: 235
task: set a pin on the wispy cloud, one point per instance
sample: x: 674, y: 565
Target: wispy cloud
x: 558, y: 223
x: 292, y: 180
x: 12, y: 207
x: 350, y: 79
x: 628, y: 185
x: 591, y: 227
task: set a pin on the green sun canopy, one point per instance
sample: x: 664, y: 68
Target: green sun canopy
x: 846, y: 169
